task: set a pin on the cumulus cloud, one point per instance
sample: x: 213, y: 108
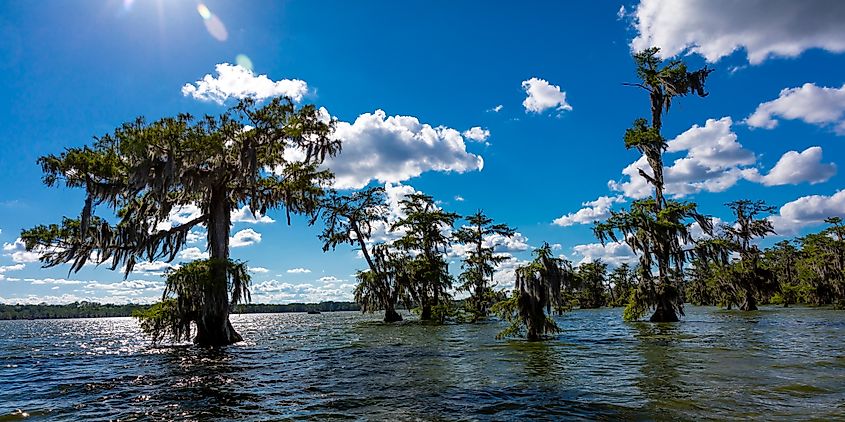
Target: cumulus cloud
x: 238, y: 82
x: 808, y: 211
x: 259, y: 270
x: 820, y: 106
x: 497, y: 109
x: 504, y: 275
x: 592, y: 211
x: 713, y: 162
x: 192, y: 254
x: 298, y: 271
x: 71, y: 298
x: 244, y: 237
x: 6, y: 268
x: 17, y: 251
x: 275, y: 291
x: 477, y: 133
x: 717, y: 28
x: 795, y: 167
x: 156, y: 268
x: 500, y: 244
x: 392, y: 149
x: 542, y: 96
x: 612, y: 253
x: 56, y: 281
x: 245, y: 215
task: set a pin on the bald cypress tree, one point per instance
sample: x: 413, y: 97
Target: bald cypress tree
x: 143, y: 172
x: 423, y: 228
x: 539, y: 287
x: 480, y: 262
x: 350, y: 219
x: 656, y: 228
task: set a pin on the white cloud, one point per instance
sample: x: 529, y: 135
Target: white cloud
x: 717, y: 28
x: 393, y: 149
x: 503, y: 276
x: 477, y: 133
x: 58, y: 281
x: 808, y: 211
x: 132, y: 287
x: 6, y: 268
x: 500, y: 244
x: 298, y: 271
x: 245, y: 215
x: 153, y: 268
x: 542, y: 96
x: 71, y: 298
x: 194, y: 236
x: 17, y: 251
x: 15, y: 267
x: 259, y: 270
x: 713, y: 162
x: 244, y: 237
x: 192, y: 254
x: 274, y: 291
x: 821, y: 106
x: 612, y: 253
x: 234, y: 81
x: 795, y: 167
x: 592, y: 211
x: 497, y: 109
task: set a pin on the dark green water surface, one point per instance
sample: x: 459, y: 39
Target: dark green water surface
x: 774, y: 364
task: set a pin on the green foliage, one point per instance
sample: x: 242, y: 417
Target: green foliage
x: 538, y: 288
x: 163, y: 321
x: 657, y: 235
x: 657, y: 228
x: 623, y: 281
x: 143, y: 172
x: 424, y: 226
x: 190, y: 294
x: 480, y: 262
x: 590, y: 278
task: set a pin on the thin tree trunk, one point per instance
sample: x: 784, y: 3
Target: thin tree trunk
x: 213, y: 325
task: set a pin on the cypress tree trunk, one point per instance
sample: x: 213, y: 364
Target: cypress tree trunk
x: 664, y: 312
x: 750, y: 302
x: 213, y: 326
x: 425, y: 315
x: 390, y: 315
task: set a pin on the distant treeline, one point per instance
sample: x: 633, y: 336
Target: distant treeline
x: 104, y: 310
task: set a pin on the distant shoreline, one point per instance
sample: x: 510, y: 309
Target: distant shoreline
x: 98, y: 310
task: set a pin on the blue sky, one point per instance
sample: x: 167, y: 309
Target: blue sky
x: 541, y: 83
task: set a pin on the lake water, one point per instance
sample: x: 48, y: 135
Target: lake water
x: 785, y: 364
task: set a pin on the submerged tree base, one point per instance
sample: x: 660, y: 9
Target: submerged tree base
x: 392, y: 316
x: 225, y: 337
x: 664, y: 314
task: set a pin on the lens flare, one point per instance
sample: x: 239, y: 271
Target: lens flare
x: 203, y: 11
x: 244, y: 61
x: 213, y: 24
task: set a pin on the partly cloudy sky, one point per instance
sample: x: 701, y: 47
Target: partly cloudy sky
x: 519, y: 112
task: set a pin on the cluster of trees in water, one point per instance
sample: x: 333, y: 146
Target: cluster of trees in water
x: 105, y: 310
x: 145, y: 171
